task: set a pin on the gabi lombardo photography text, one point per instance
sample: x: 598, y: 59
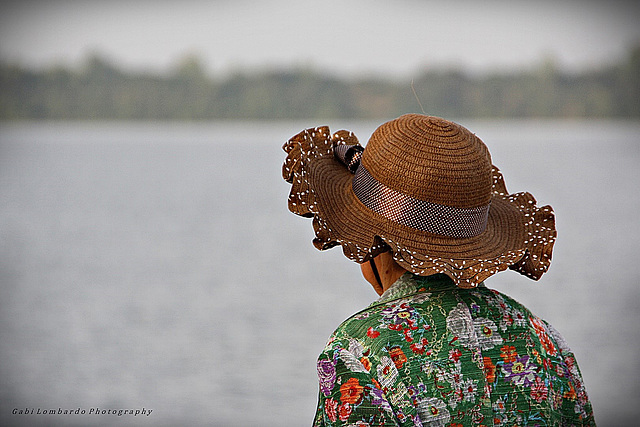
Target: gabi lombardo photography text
x: 82, y: 411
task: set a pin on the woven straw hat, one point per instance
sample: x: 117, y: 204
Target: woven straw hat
x: 425, y: 189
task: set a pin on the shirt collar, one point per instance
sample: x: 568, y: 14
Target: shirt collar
x: 409, y: 284
x: 405, y: 285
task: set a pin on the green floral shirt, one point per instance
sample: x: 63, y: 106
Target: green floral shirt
x: 429, y: 353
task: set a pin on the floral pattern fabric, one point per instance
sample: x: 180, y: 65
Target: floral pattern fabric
x: 428, y: 353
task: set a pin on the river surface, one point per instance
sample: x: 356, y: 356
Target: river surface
x: 156, y: 266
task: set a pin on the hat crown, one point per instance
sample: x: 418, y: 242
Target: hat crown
x: 431, y: 159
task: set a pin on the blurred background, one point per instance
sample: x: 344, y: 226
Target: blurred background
x: 147, y: 257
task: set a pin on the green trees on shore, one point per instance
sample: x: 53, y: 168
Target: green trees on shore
x: 101, y: 91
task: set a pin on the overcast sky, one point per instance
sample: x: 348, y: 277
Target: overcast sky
x: 394, y: 37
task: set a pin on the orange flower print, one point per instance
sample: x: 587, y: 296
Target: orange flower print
x: 548, y: 345
x: 351, y: 391
x: 398, y: 356
x: 536, y: 354
x: 366, y: 363
x: 489, y: 370
x: 571, y: 393
x: 508, y: 353
x: 541, y: 331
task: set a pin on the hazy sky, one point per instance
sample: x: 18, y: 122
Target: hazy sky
x: 342, y: 36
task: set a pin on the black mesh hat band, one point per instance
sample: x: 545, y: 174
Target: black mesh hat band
x: 419, y: 214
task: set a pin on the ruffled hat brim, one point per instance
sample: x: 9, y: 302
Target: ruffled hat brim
x: 518, y: 234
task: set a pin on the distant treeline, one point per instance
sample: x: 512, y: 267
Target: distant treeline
x: 100, y: 90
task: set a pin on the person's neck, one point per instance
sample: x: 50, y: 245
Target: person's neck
x: 388, y: 270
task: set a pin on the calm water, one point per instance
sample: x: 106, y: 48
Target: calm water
x: 150, y: 265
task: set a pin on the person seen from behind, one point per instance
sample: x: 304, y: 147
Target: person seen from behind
x: 428, y: 217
